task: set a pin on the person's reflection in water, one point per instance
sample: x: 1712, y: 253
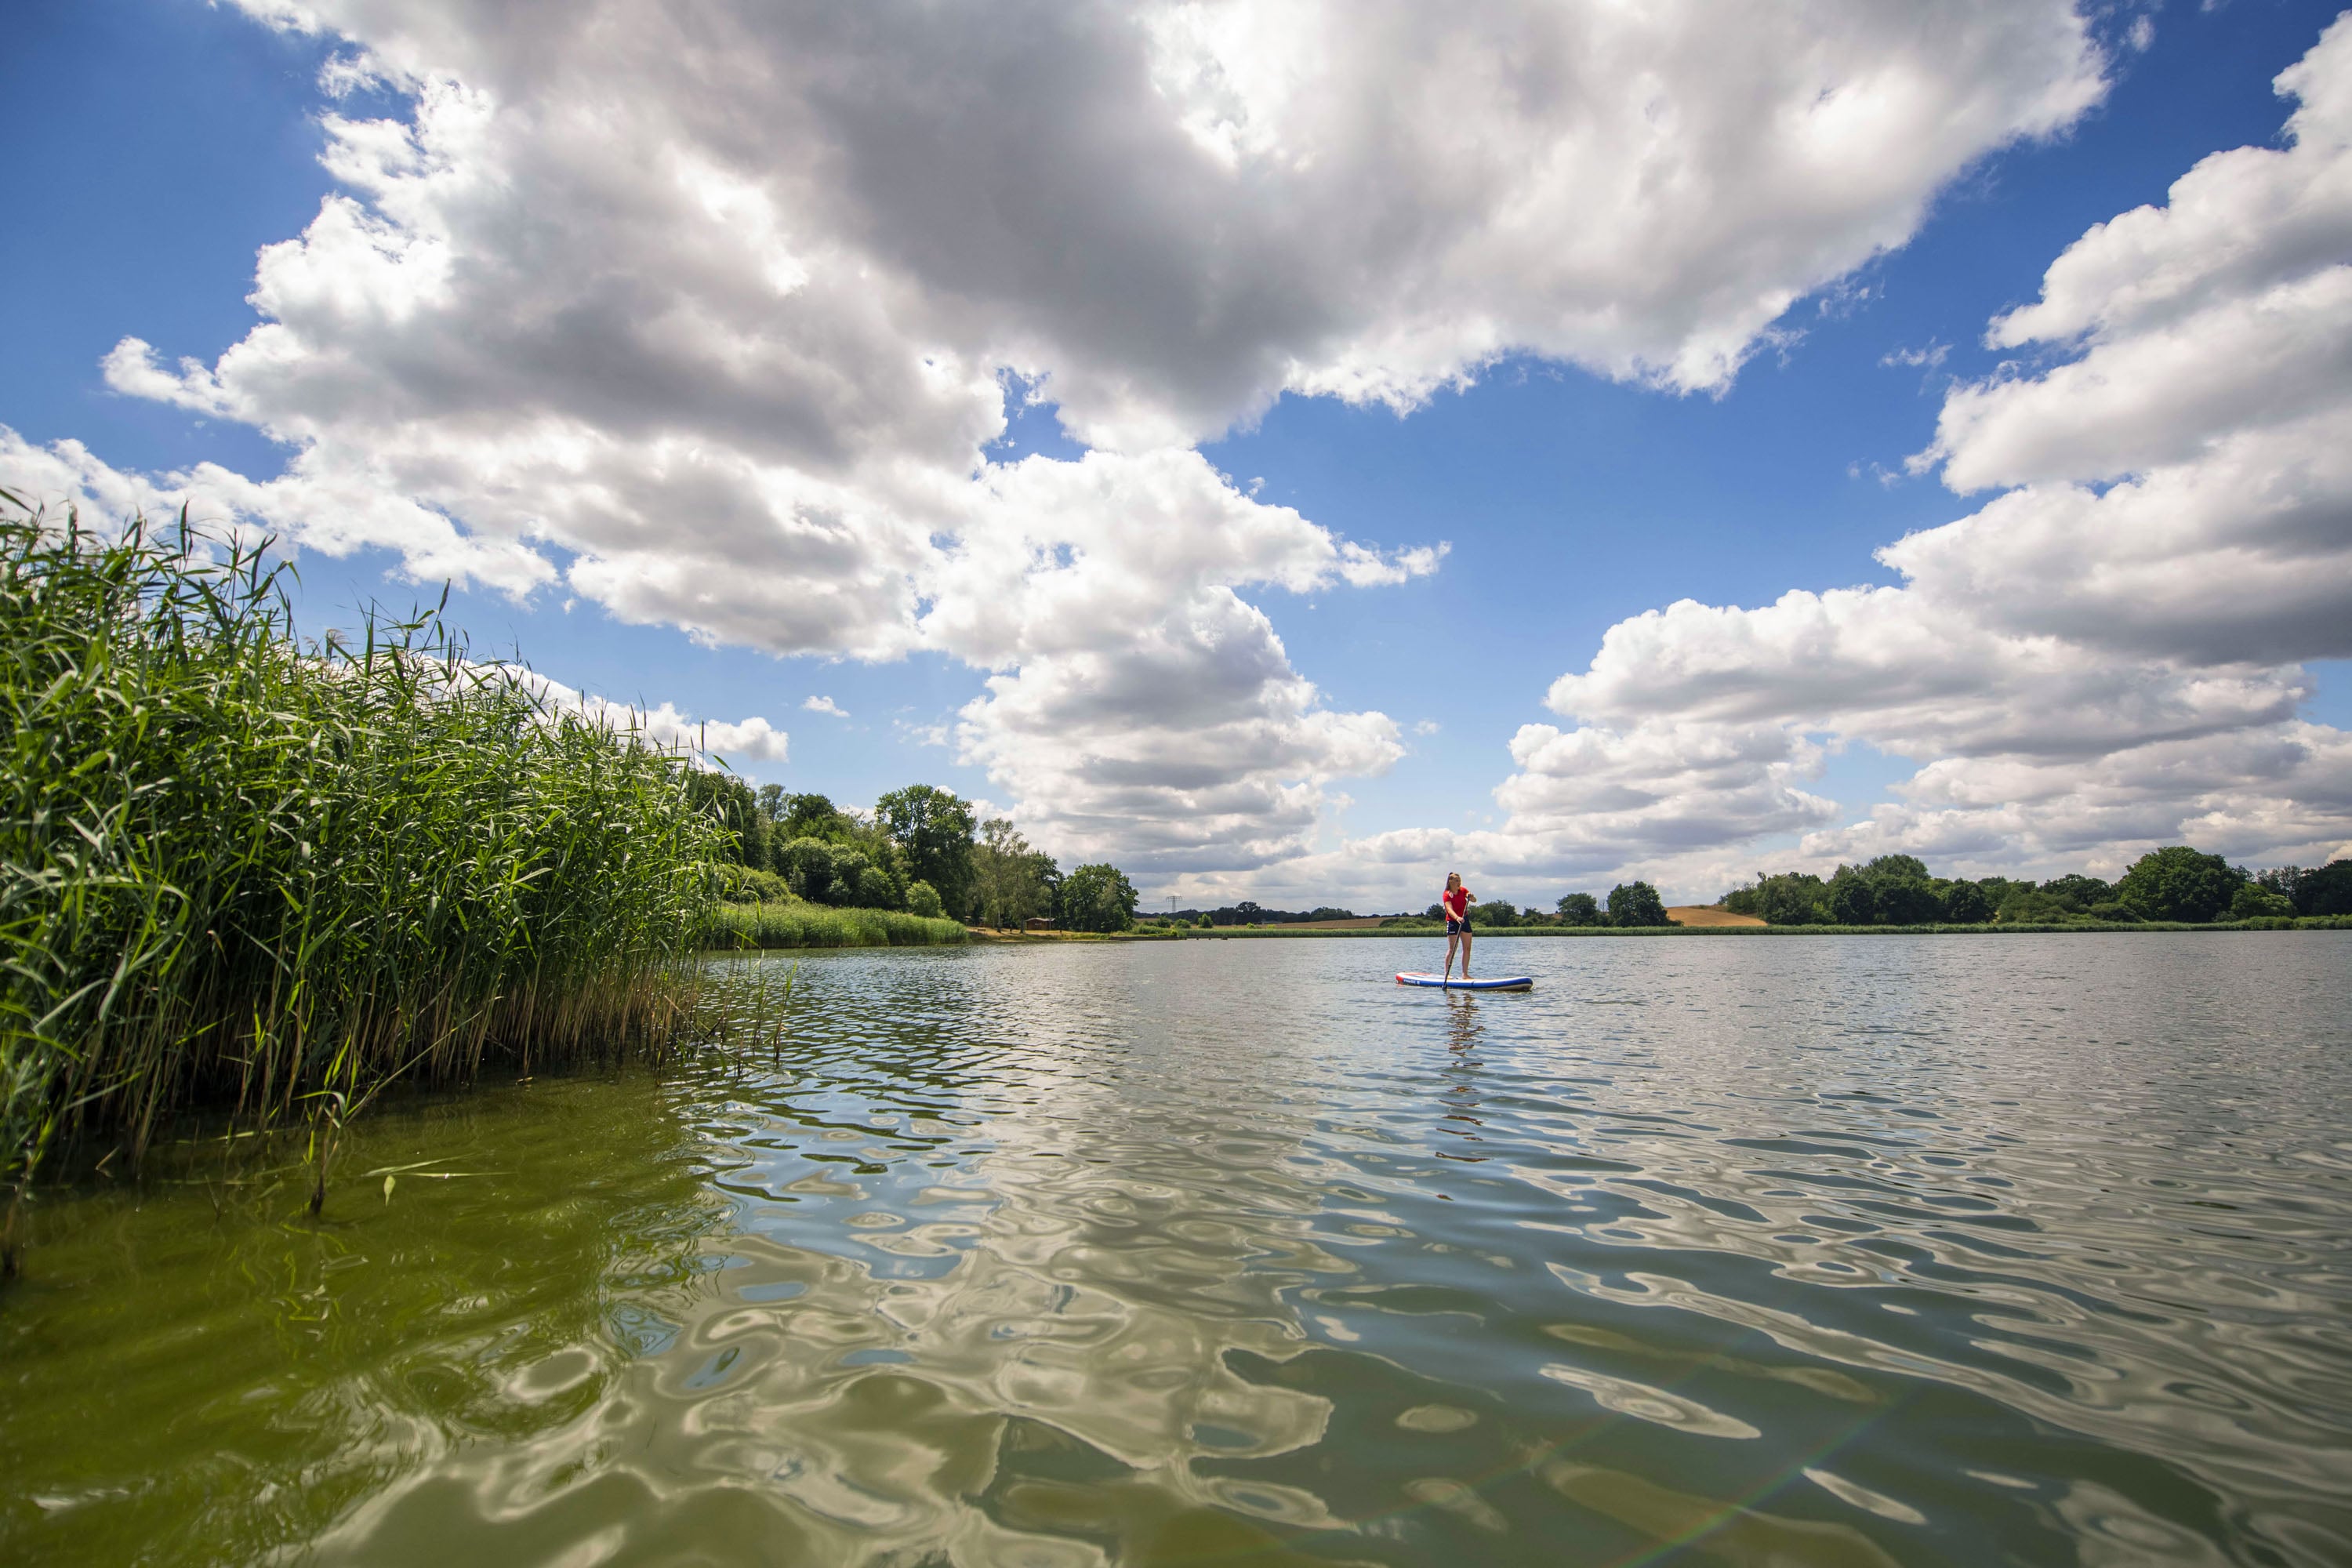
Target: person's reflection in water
x: 1461, y: 1030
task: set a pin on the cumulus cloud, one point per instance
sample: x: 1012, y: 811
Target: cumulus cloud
x: 702, y: 310
x: 2108, y: 655
x: 825, y: 705
x: 716, y: 739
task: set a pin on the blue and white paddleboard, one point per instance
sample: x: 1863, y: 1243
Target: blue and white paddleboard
x: 1516, y: 982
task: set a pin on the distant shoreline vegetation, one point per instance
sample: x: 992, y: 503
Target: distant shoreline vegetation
x: 2174, y: 889
x: 2174, y: 886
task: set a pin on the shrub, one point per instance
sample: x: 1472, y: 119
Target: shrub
x: 923, y: 900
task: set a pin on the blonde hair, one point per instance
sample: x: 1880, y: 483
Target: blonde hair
x: 1452, y: 878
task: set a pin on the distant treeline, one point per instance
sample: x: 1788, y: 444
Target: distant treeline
x: 2174, y: 884
x: 1628, y: 904
x: 1246, y: 914
x: 920, y: 852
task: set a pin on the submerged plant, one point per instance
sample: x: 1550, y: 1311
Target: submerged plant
x: 242, y: 871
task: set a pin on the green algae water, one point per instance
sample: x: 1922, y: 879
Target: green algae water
x: 1842, y: 1252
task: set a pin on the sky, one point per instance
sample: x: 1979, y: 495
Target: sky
x: 1287, y: 450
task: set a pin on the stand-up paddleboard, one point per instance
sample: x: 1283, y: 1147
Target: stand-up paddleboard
x: 1514, y: 983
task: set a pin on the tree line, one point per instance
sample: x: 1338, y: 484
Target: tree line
x: 1627, y: 904
x: 920, y: 849
x: 2177, y: 883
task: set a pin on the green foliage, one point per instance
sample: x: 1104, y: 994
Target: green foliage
x: 2177, y: 883
x: 730, y: 800
x: 1852, y: 900
x: 1497, y: 914
x: 1011, y: 883
x: 813, y: 925
x: 748, y: 885
x: 2321, y: 892
x: 1579, y: 910
x: 2078, y: 891
x: 239, y: 870
x: 2033, y: 907
x: 932, y: 829
x: 1636, y: 904
x: 923, y: 900
x: 1098, y: 898
x: 1788, y: 898
x: 1204, y: 923
x: 1965, y: 903
x: 2255, y: 901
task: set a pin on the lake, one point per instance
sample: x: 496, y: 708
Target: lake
x: 1833, y: 1251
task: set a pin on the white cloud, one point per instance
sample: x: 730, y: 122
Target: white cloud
x: 701, y: 311
x: 825, y: 705
x: 748, y: 740
x: 1926, y: 358
x: 2105, y: 658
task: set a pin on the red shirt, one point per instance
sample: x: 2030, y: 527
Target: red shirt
x: 1456, y: 903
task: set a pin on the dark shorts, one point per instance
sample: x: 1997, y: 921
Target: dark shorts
x: 1457, y: 928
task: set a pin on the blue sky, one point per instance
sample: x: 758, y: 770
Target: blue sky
x: 160, y: 144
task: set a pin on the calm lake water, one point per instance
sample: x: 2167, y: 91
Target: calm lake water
x: 1844, y: 1251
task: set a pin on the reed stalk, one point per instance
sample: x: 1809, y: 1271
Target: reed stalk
x: 241, y: 870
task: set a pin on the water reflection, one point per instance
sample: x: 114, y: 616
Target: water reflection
x: 1832, y: 1252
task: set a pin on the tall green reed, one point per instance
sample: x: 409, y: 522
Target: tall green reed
x: 799, y: 924
x: 239, y: 870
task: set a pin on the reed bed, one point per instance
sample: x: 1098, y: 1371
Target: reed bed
x: 237, y: 870
x: 799, y: 924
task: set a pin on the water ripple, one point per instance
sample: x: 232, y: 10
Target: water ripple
x: 1838, y: 1251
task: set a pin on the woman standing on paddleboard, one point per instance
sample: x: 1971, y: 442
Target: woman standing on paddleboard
x: 1456, y: 901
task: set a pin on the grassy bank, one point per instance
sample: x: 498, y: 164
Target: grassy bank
x: 241, y: 871
x: 798, y: 924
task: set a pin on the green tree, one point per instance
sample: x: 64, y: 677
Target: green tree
x: 2253, y: 902
x: 1579, y: 910
x: 1790, y: 898
x: 932, y: 829
x: 1965, y: 903
x: 1907, y: 900
x: 807, y: 865
x: 1098, y: 898
x: 2177, y: 883
x: 1011, y: 881
x: 923, y: 900
x: 2325, y: 891
x: 1636, y: 904
x: 1852, y: 900
x: 2077, y: 892
x: 1497, y: 913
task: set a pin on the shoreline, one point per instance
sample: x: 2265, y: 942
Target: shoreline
x: 986, y: 936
